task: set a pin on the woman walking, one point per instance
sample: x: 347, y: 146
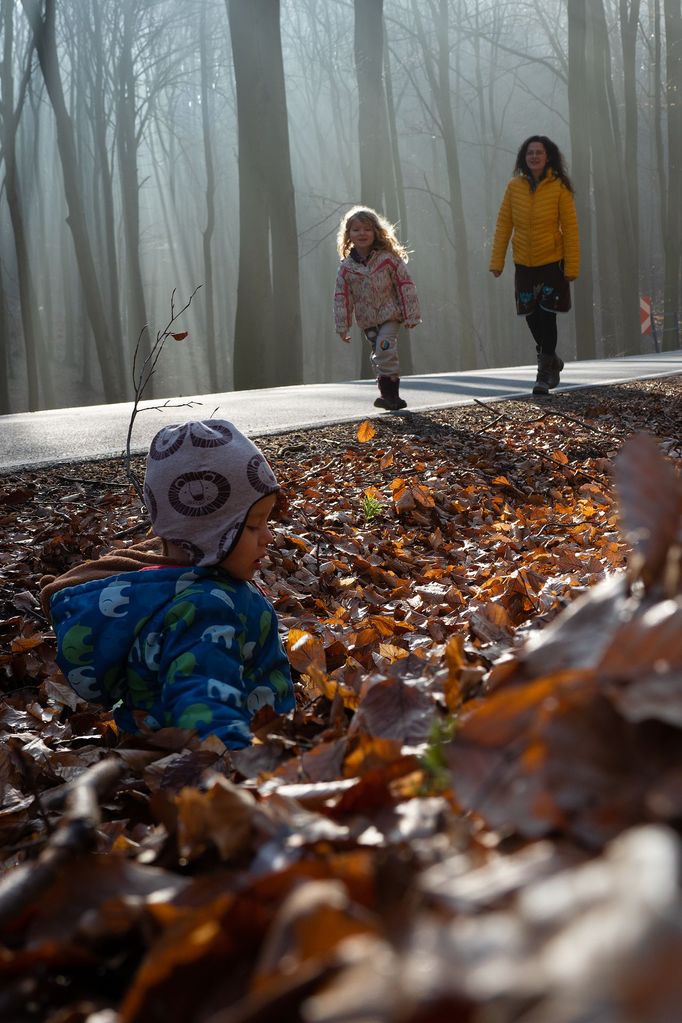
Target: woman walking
x: 538, y: 214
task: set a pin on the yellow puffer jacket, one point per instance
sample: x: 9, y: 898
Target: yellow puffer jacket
x: 542, y: 225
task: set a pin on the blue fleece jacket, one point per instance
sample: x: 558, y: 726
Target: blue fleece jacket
x: 188, y: 647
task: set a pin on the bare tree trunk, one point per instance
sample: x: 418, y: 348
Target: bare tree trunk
x: 216, y: 373
x: 9, y: 119
x: 629, y: 24
x: 438, y: 73
x: 619, y: 278
x: 406, y: 359
x: 659, y: 147
x: 127, y: 147
x: 494, y: 350
x: 267, y: 345
x: 585, y: 346
x: 5, y: 401
x: 376, y: 170
x: 608, y: 145
x: 110, y: 358
x: 105, y: 176
x: 672, y: 13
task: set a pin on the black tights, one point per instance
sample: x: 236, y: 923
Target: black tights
x: 542, y: 325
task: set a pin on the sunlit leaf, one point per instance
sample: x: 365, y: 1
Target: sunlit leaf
x: 454, y: 658
x: 366, y: 431
x: 305, y: 650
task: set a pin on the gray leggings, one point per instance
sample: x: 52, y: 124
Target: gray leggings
x: 384, y: 342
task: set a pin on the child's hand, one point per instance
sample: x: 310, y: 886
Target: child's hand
x: 345, y: 337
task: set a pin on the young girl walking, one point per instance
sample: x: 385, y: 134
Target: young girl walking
x: 374, y: 283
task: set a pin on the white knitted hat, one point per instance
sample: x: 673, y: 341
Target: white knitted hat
x: 202, y: 480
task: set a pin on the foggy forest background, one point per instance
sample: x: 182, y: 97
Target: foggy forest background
x: 150, y: 146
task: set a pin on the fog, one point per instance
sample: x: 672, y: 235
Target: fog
x: 150, y: 147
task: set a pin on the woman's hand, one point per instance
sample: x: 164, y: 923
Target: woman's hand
x: 345, y: 337
x: 496, y: 273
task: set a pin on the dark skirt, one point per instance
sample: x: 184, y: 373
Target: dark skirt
x: 543, y: 286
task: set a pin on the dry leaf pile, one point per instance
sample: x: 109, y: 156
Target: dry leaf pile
x: 473, y: 814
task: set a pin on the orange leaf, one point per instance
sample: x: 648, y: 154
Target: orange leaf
x: 365, y: 431
x: 392, y: 652
x: 422, y: 496
x: 180, y: 337
x: 297, y: 541
x: 454, y: 658
x: 24, y: 643
x: 305, y: 651
x: 559, y: 456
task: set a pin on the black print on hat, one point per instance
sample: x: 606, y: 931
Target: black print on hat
x: 198, y: 493
x: 167, y: 441
x: 150, y: 501
x: 193, y: 552
x: 203, y: 435
x: 260, y: 475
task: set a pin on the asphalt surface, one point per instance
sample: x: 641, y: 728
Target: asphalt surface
x: 100, y: 431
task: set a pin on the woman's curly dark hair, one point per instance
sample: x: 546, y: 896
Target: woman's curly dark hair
x: 554, y: 159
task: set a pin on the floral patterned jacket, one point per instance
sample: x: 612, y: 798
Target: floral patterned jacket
x: 377, y: 291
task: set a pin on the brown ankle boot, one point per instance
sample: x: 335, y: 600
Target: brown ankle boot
x: 398, y: 402
x: 385, y: 399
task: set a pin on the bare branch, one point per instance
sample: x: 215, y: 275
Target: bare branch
x: 146, y: 372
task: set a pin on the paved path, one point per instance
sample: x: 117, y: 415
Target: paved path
x: 100, y: 431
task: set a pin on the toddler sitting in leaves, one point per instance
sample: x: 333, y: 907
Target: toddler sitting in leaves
x: 172, y: 631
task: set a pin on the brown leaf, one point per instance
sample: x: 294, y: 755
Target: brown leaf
x: 649, y: 499
x: 394, y: 709
x: 650, y: 640
x: 221, y: 816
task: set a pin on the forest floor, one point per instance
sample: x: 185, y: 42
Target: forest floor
x: 473, y: 813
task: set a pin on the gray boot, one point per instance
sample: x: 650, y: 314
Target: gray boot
x: 557, y: 366
x: 545, y: 375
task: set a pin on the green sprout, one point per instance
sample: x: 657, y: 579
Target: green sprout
x: 434, y: 761
x: 371, y: 507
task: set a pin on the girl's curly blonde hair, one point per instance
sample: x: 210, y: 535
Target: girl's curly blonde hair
x: 384, y: 232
